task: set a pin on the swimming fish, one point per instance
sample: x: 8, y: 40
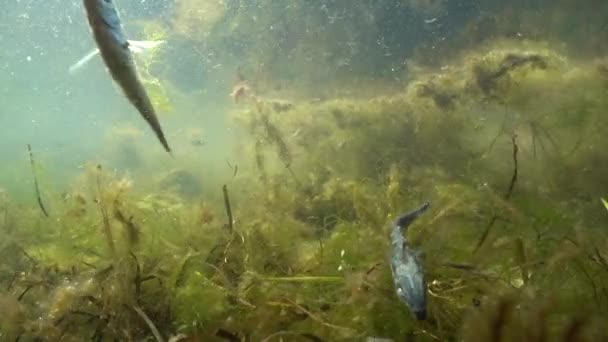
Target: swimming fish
x: 114, y: 49
x: 406, y: 267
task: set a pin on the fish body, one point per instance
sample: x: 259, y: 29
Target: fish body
x: 114, y: 49
x: 406, y: 267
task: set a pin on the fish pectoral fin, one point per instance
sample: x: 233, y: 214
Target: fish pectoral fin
x: 139, y: 46
x: 134, y: 45
x: 84, y: 60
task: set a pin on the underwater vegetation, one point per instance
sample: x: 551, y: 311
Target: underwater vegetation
x: 292, y: 241
x: 505, y: 142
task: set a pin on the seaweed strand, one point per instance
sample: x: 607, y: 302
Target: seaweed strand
x: 315, y: 317
x: 275, y: 136
x: 36, y: 187
x: 508, y: 194
x: 130, y: 227
x: 515, y: 167
x: 107, y: 229
x: 260, y: 161
x: 150, y: 324
x: 228, y: 208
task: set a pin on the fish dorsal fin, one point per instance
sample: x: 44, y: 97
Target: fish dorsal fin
x: 137, y: 46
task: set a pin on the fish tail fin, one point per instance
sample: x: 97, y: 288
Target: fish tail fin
x: 158, y: 131
x: 405, y: 220
x: 165, y: 144
x: 83, y: 61
x: 149, y: 114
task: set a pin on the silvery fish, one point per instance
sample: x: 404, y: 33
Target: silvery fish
x: 114, y: 49
x: 407, y: 269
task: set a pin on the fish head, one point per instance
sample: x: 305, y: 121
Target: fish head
x: 410, y: 285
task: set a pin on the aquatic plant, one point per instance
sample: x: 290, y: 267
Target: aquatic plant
x: 292, y: 241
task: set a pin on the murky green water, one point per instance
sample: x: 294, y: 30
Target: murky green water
x: 300, y: 130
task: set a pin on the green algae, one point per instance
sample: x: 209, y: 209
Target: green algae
x: 309, y: 247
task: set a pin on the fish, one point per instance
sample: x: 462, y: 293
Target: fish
x: 604, y: 202
x: 114, y: 49
x: 406, y: 266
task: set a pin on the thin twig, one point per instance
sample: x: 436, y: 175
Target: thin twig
x: 137, y: 279
x: 228, y: 208
x: 317, y: 318
x: 485, y: 233
x: 458, y: 266
x: 235, y: 168
x: 29, y: 257
x: 149, y: 322
x: 502, y: 129
x: 439, y: 296
x: 550, y: 138
x: 27, y: 289
x: 508, y: 194
x: 130, y: 227
x: 107, y: 228
x: 515, y: 167
x: 36, y: 187
x: 576, y: 145
x: 590, y: 279
x: 220, y: 272
x: 533, y: 139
